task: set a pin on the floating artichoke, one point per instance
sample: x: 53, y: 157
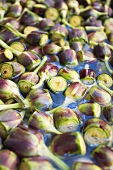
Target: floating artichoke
x: 35, y: 162
x: 26, y: 58
x: 99, y: 95
x: 11, y: 70
x: 31, y: 143
x: 90, y: 109
x: 9, y: 119
x: 85, y: 166
x: 96, y: 131
x: 103, y: 156
x: 66, y: 120
x: 74, y: 144
x: 42, y: 121
x: 68, y: 58
x: 8, y: 160
x: 69, y: 74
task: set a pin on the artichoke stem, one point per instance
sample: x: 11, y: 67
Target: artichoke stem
x: 66, y: 23
x: 106, y: 88
x: 20, y: 100
x: 66, y: 103
x: 107, y: 64
x: 93, y: 28
x: 41, y: 64
x: 44, y: 151
x: 85, y: 9
x: 4, y: 45
x: 100, y: 13
x: 10, y: 106
x: 52, y: 129
x: 43, y: 78
x: 9, y: 26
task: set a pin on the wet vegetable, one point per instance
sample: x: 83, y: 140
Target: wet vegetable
x: 85, y: 166
x: 69, y: 96
x: 90, y: 109
x: 8, y: 159
x: 42, y: 121
x: 57, y: 84
x: 106, y: 155
x: 31, y: 144
x: 66, y: 120
x: 96, y: 132
x: 36, y: 162
x: 74, y: 144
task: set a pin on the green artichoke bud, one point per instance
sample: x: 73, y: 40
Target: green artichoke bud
x: 45, y: 24
x: 26, y: 58
x: 39, y: 9
x: 45, y: 73
x: 8, y: 160
x: 78, y: 34
x: 85, y: 166
x: 57, y: 32
x: 76, y: 91
x: 10, y: 119
x: 8, y: 90
x: 42, y: 121
x: 7, y: 36
x: 103, y: 156
x: 15, y: 9
x: 66, y: 120
x: 69, y: 74
x: 99, y: 95
x: 29, y: 79
x: 51, y: 49
x: 96, y: 132
x: 29, y: 18
x: 11, y: 70
x: 90, y: 109
x: 31, y: 143
x: 85, y: 56
x: 97, y: 36
x: 37, y: 162
x: 68, y: 58
x: 39, y: 98
x: 33, y: 37
x: 76, y: 46
x: 74, y: 144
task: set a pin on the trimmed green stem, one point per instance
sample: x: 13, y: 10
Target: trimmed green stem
x: 52, y: 129
x: 10, y: 106
x: 93, y: 28
x: 4, y: 45
x: 9, y: 26
x: 67, y: 101
x: 44, y: 151
x: 106, y: 88
x: 43, y: 78
x: 41, y: 64
x: 66, y: 23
